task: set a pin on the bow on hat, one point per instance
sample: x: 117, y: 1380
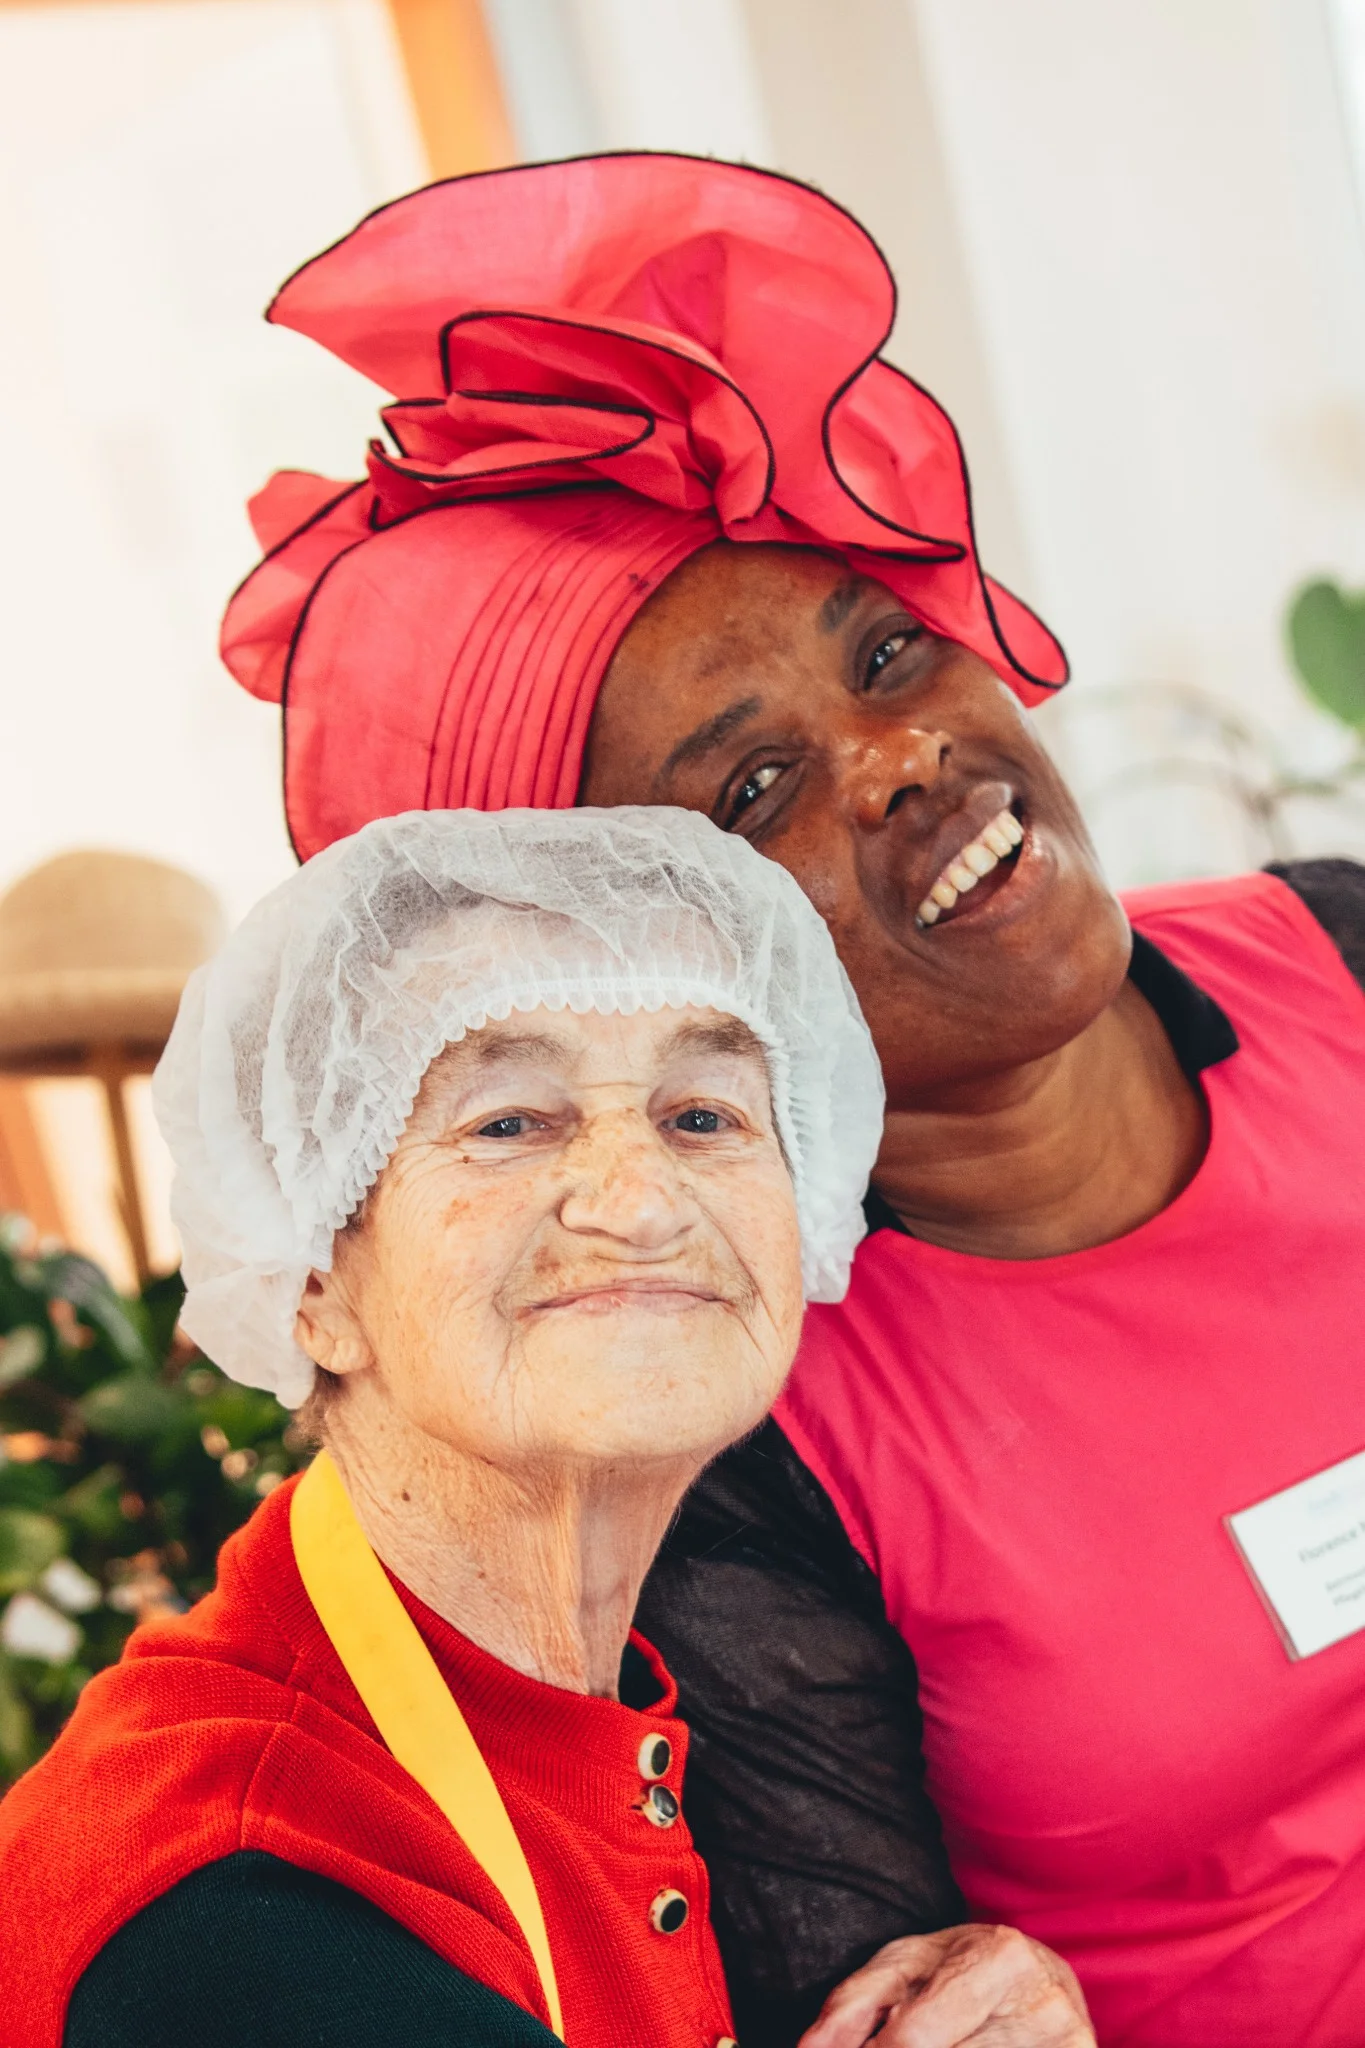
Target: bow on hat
x: 701, y: 336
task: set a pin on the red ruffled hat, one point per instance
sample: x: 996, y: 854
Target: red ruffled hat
x: 600, y: 367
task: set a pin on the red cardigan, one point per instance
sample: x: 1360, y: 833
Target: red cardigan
x: 235, y: 1727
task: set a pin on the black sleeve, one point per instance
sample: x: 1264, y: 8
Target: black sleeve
x: 252, y: 1953
x: 1334, y: 890
x: 805, y: 1780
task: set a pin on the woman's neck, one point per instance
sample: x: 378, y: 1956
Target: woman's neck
x: 1072, y: 1151
x: 543, y: 1569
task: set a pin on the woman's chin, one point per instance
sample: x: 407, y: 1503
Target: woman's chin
x: 658, y: 1352
x: 639, y: 1392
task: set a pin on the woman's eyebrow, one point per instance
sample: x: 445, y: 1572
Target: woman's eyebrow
x: 710, y: 734
x: 465, y: 1064
x: 492, y: 1046
x: 840, y: 603
x: 726, y: 1035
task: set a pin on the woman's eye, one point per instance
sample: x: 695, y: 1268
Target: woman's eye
x: 753, y: 787
x: 699, y: 1123
x: 505, y: 1127
x: 886, y: 652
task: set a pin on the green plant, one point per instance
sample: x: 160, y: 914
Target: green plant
x: 125, y: 1460
x: 1325, y: 627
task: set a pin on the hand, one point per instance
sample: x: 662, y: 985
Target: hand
x: 990, y: 1986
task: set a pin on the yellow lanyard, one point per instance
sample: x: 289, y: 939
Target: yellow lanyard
x: 406, y: 1697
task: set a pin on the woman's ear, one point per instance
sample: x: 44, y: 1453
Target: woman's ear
x: 328, y: 1329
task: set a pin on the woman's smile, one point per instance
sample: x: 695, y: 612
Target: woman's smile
x: 975, y: 872
x: 892, y: 773
x: 641, y: 1297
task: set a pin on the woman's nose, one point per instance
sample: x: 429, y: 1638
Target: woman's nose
x: 625, y: 1185
x: 886, y: 771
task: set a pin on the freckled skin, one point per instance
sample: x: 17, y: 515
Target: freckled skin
x: 1034, y: 1103
x: 465, y: 1235
x: 560, y: 1301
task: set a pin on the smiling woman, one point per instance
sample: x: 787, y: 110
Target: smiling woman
x: 508, y: 1146
x: 583, y: 1250
x: 896, y: 775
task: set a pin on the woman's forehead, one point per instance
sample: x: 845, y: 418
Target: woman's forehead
x: 590, y: 1045
x: 729, y: 591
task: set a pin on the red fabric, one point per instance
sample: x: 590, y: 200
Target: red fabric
x: 600, y: 366
x: 1036, y: 1457
x: 235, y: 1727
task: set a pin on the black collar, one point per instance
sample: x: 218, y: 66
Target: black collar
x: 1200, y: 1031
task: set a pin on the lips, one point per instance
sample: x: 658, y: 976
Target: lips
x: 961, y: 820
x: 646, y: 1297
x: 996, y: 844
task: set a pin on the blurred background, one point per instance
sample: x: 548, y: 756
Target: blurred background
x: 1131, y: 248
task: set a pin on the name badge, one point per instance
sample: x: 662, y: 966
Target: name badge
x: 1305, y: 1550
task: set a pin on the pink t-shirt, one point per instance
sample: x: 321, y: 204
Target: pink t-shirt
x: 1036, y: 1457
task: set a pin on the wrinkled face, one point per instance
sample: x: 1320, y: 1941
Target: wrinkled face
x: 896, y: 777
x: 584, y: 1246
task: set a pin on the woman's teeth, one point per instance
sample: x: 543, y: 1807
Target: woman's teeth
x: 994, y: 843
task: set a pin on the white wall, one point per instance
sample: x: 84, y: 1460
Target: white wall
x: 163, y: 166
x: 1165, y: 247
x: 672, y: 74
x: 630, y: 74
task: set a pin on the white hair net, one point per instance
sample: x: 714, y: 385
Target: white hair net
x: 299, y: 1049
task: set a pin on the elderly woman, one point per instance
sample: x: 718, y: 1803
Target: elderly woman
x: 655, y: 522
x: 504, y: 1145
